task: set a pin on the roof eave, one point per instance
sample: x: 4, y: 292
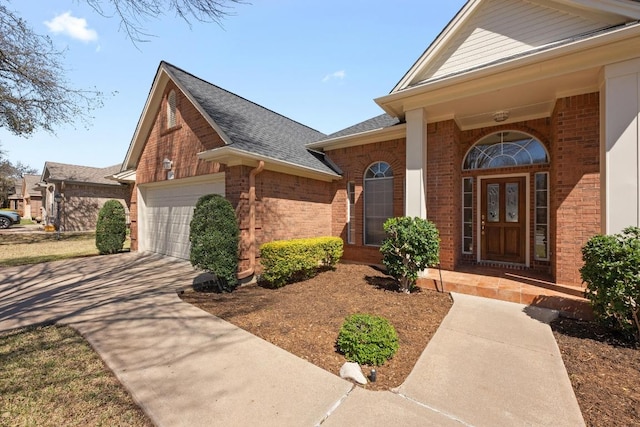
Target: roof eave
x: 231, y: 156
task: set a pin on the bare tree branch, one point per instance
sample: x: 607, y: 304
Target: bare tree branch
x: 34, y: 94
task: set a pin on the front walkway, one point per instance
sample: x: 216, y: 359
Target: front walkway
x: 490, y: 363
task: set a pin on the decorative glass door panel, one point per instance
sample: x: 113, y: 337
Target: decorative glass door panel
x: 502, y: 226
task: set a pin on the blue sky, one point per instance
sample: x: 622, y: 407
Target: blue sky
x: 318, y: 62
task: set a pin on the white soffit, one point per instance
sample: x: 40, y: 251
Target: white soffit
x: 486, y: 31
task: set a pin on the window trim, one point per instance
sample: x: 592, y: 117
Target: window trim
x: 470, y: 179
x: 364, y: 197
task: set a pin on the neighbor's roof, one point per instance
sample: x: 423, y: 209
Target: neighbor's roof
x: 30, y: 182
x: 75, y: 173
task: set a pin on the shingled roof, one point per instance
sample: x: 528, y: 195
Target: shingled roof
x: 250, y: 127
x: 82, y: 174
x: 378, y: 122
x: 30, y: 183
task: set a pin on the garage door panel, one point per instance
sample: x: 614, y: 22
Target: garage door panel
x: 167, y: 214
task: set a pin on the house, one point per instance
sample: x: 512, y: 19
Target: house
x: 31, y: 198
x: 516, y: 132
x: 83, y: 191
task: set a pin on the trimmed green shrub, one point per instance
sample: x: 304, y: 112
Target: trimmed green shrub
x: 367, y: 339
x: 285, y: 261
x: 111, y: 228
x: 214, y: 235
x: 612, y: 273
x: 412, y: 244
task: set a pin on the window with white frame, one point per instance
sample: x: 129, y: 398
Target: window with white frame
x: 171, y: 109
x: 542, y: 216
x: 467, y: 215
x: 378, y: 201
x: 505, y: 149
x: 351, y: 212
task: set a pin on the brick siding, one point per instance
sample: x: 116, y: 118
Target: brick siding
x: 575, y: 177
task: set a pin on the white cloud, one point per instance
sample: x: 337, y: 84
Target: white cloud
x: 71, y: 26
x: 337, y: 75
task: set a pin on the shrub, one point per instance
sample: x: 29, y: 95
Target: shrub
x: 412, y: 244
x: 214, y: 237
x: 111, y: 227
x: 367, y: 339
x: 285, y: 261
x: 612, y: 273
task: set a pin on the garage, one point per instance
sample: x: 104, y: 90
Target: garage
x: 165, y: 210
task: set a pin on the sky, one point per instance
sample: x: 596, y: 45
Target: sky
x: 321, y: 63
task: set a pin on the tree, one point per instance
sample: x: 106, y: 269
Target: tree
x: 132, y: 12
x: 111, y: 228
x: 34, y: 92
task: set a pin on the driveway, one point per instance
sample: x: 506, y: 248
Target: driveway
x: 183, y: 366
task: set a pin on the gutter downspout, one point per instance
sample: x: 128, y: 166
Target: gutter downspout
x: 252, y: 222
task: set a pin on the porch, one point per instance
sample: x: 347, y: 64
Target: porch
x: 519, y: 286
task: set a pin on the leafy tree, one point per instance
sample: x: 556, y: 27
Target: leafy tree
x: 412, y: 244
x: 111, y: 228
x: 34, y: 92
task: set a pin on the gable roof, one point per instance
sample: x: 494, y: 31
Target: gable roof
x: 58, y: 172
x: 249, y: 131
x: 485, y: 32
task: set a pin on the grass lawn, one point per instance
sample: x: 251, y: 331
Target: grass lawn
x: 50, y: 376
x: 33, y: 248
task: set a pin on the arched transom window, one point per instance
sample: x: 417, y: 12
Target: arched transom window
x: 505, y: 149
x: 378, y: 201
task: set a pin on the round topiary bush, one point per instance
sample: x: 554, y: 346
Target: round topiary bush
x: 367, y: 339
x: 214, y: 237
x: 111, y: 227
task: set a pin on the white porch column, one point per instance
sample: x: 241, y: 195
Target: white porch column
x: 620, y: 146
x: 416, y: 164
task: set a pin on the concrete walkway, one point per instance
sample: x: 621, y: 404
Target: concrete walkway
x: 491, y: 363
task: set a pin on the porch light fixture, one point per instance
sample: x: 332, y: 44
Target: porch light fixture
x: 500, y: 116
x: 167, y: 164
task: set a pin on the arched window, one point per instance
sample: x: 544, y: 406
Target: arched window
x: 378, y: 201
x: 505, y: 149
x: 171, y: 109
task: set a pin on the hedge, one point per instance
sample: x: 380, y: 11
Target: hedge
x: 285, y: 261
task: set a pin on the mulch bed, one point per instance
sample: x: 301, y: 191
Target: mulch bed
x: 304, y: 318
x: 604, y: 369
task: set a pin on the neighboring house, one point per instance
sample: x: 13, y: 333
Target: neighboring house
x: 516, y: 133
x: 84, y: 191
x: 31, y: 198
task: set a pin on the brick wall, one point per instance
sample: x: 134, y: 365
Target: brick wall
x: 575, y: 178
x: 354, y: 162
x: 83, y: 202
x: 180, y: 144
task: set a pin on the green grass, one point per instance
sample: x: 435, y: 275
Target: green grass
x: 34, y: 248
x: 50, y: 376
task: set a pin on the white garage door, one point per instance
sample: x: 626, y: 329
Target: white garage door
x: 165, y: 211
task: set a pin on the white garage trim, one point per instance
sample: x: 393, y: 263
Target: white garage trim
x: 165, y: 210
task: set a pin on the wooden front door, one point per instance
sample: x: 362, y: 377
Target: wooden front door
x: 503, y: 220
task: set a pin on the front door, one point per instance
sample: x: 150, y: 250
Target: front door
x: 503, y: 220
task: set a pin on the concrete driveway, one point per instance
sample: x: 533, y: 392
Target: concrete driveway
x: 183, y: 366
